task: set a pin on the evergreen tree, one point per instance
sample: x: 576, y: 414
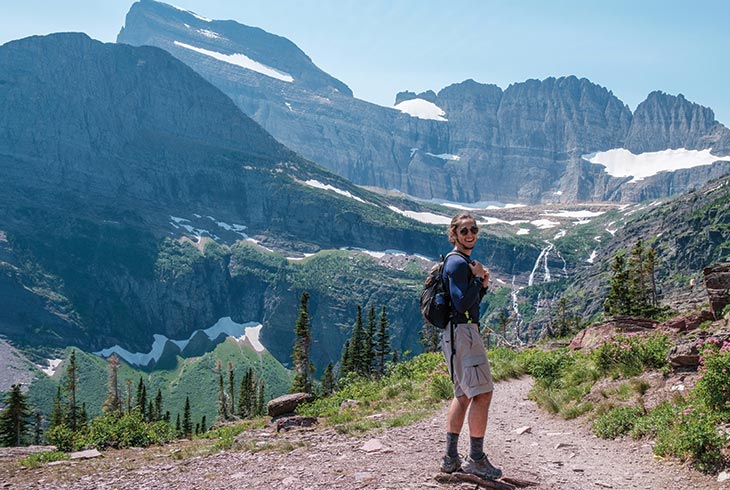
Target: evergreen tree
x: 141, y: 396
x: 429, y: 338
x: 14, y: 419
x: 197, y: 428
x: 128, y: 389
x: 150, y: 413
x: 382, y: 343
x: 70, y: 387
x: 203, y: 425
x: 231, y: 404
x: 328, y: 380
x: 187, y: 423
x: 157, y: 415
x: 369, y: 344
x: 260, y: 407
x: 358, y: 356
x: 222, y: 398
x: 301, y: 355
x: 346, y: 360
x: 178, y: 427
x: 167, y: 416
x: 57, y: 415
x: 246, y: 394
x: 113, y: 403
x: 37, y: 428
x: 618, y: 300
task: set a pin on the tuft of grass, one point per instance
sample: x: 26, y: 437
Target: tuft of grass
x: 616, y: 422
x: 38, y: 459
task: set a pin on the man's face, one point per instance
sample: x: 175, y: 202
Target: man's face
x: 466, y: 234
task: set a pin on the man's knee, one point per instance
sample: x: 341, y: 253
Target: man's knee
x: 483, y: 399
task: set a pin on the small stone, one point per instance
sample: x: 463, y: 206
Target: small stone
x: 88, y: 454
x: 363, y: 476
x: 373, y: 445
x: 523, y: 430
x: 723, y: 476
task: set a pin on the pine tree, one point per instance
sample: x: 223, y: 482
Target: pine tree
x: 178, y: 427
x: 382, y: 343
x: 328, y: 380
x: 57, y: 416
x: 231, y: 404
x: 37, y: 428
x: 157, y: 415
x: 222, y: 398
x: 429, y: 338
x: 14, y: 419
x: 369, y: 344
x: 260, y: 398
x: 357, y: 344
x: 150, y: 413
x: 245, y: 395
x: 345, y: 360
x: 632, y: 287
x: 141, y: 396
x: 301, y: 355
x: 70, y: 387
x: 112, y: 404
x: 128, y: 389
x: 618, y: 302
x: 187, y: 423
x: 203, y: 425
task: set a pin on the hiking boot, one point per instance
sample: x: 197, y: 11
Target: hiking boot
x: 481, y: 468
x: 449, y: 464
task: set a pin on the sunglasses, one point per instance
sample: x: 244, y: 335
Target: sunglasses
x: 464, y: 231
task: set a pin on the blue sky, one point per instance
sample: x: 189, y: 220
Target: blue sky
x: 381, y: 47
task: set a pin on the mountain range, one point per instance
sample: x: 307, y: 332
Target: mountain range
x: 470, y: 142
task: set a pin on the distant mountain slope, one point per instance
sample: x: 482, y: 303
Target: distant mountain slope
x: 470, y: 142
x: 139, y: 200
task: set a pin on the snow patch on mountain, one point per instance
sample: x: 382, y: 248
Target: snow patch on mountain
x: 241, y: 60
x: 423, y: 217
x: 223, y: 326
x: 204, y: 19
x: 620, y: 162
x: 421, y: 109
x: 328, y: 187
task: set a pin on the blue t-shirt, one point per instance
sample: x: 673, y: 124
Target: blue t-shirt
x: 465, y: 288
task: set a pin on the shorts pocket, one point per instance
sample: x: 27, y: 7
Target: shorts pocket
x: 476, y: 370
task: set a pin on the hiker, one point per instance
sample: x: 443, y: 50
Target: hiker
x: 465, y: 354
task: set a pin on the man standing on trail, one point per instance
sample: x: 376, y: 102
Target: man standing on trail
x: 466, y: 357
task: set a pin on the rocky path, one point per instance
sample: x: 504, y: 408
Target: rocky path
x: 558, y: 454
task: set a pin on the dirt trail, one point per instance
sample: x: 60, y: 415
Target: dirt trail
x: 559, y: 454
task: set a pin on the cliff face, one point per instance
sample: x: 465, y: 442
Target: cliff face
x: 522, y: 144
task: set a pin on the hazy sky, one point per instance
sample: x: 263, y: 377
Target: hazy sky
x: 381, y: 47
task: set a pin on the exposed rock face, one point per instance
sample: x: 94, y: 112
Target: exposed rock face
x: 523, y: 143
x: 717, y: 282
x: 595, y: 335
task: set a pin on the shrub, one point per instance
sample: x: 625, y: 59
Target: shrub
x: 63, y: 438
x: 616, y: 422
x: 659, y: 419
x: 127, y: 430
x: 713, y: 388
x: 547, y: 366
x: 694, y: 437
x: 626, y: 356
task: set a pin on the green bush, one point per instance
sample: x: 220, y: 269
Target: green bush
x: 127, y: 430
x: 547, y: 366
x: 507, y: 363
x: 694, y: 437
x: 659, y: 419
x: 63, y: 438
x: 616, y: 422
x: 627, y: 356
x: 713, y: 387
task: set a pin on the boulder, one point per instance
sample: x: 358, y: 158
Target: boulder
x: 593, y: 336
x: 717, y: 282
x: 287, y: 403
x: 687, y: 322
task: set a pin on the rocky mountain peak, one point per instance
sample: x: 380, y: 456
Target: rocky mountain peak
x: 189, y: 35
x: 670, y: 121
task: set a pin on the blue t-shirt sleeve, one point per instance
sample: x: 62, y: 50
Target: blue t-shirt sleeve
x: 463, y: 288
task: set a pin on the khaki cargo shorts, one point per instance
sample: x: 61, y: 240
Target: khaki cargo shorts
x: 471, y: 374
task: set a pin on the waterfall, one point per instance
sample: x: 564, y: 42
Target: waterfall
x: 542, y: 257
